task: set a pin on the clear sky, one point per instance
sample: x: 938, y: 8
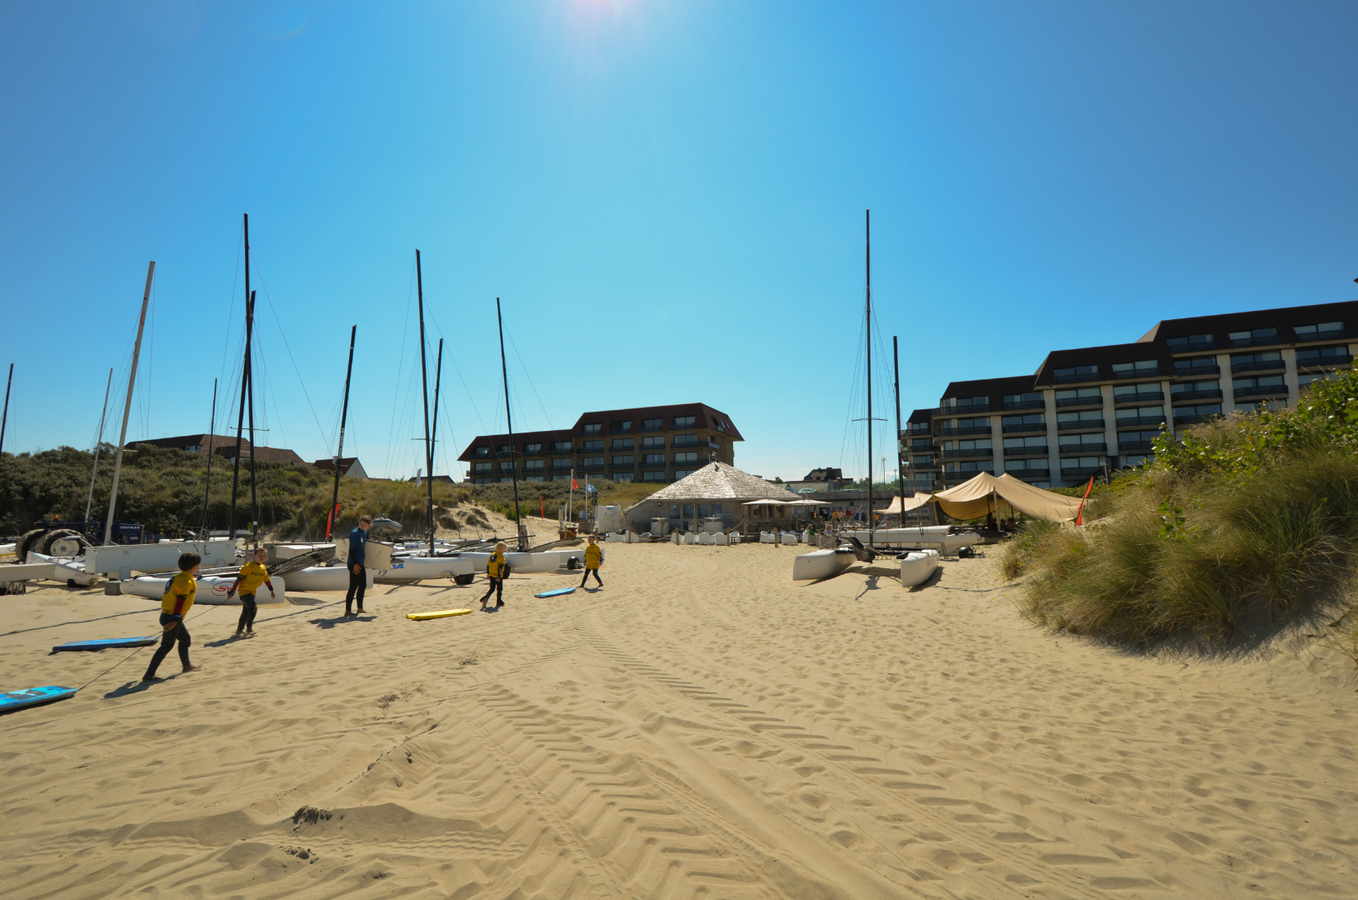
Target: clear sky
x: 668, y: 197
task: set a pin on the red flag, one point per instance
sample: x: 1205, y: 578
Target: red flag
x: 575, y: 485
x: 331, y: 521
x: 1081, y: 511
x: 542, y: 510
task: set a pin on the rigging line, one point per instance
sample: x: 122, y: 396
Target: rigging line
x: 284, y: 335
x: 231, y: 307
x: 545, y: 416
x: 853, y: 394
x: 452, y: 357
x: 405, y: 333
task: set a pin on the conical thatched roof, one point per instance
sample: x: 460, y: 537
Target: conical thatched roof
x: 720, y: 481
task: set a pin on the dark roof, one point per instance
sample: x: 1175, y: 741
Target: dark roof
x: 704, y: 417
x: 922, y: 415
x: 180, y: 442
x: 824, y: 475
x: 995, y: 388
x: 1102, y: 358
x: 345, y: 464
x: 1283, y: 318
x: 261, y: 454
x: 496, y: 441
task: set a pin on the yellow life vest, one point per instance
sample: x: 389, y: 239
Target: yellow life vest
x: 594, y: 555
x: 251, y: 576
x: 178, y: 599
x: 497, y: 566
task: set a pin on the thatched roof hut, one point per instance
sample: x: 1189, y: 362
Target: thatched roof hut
x: 716, y: 484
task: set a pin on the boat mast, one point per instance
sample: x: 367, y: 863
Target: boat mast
x: 867, y: 333
x: 424, y: 381
x: 900, y: 472
x: 89, y: 502
x: 207, y: 488
x: 509, y: 422
x: 250, y: 374
x: 434, y: 442
x: 339, y: 450
x: 244, y: 383
x: 4, y: 419
x: 127, y: 407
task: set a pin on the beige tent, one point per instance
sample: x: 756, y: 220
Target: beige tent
x: 914, y: 502
x: 979, y: 496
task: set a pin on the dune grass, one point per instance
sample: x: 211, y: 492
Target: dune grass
x: 1252, y: 518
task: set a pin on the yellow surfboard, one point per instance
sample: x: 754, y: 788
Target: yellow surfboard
x: 441, y: 614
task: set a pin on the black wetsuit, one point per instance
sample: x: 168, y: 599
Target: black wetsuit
x: 247, y: 613
x: 179, y: 635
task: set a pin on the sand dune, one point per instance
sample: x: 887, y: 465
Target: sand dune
x: 701, y: 727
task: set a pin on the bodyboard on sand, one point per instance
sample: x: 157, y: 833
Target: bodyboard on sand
x: 556, y: 593
x: 441, y: 614
x: 105, y: 644
x: 12, y: 700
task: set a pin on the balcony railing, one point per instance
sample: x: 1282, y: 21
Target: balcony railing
x: 974, y: 453
x: 561, y: 467
x: 1082, y: 472
x: 959, y: 477
x: 1258, y: 365
x: 962, y: 409
x: 1125, y: 447
x: 1339, y: 335
x: 1269, y: 390
x: 1140, y: 397
x: 1141, y: 421
x: 653, y: 465
x: 1197, y: 347
x: 1138, y: 373
x: 1076, y: 379
x: 683, y: 441
x: 1030, y: 474
x: 1194, y: 396
x: 1025, y: 428
x: 591, y: 467
x: 1195, y: 371
x: 1025, y: 452
x: 645, y: 429
x: 1065, y: 402
x: 1082, y: 425
x: 1180, y: 421
x: 1039, y: 403
x: 1258, y: 341
x: 1324, y: 362
x: 1082, y: 449
x: 959, y: 432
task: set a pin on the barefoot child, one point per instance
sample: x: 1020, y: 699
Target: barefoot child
x: 174, y: 606
x: 251, y: 576
x: 594, y: 557
x: 497, y: 570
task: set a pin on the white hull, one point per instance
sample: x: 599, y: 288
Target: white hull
x: 918, y: 566
x: 211, y: 589
x: 416, y: 568
x: 323, y: 578
x: 820, y: 564
x: 57, y: 568
x: 160, y: 556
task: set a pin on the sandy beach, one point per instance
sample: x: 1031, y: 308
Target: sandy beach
x: 701, y: 727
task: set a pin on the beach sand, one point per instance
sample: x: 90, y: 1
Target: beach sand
x: 701, y: 727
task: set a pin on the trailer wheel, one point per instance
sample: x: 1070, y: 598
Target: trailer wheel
x: 464, y: 579
x: 44, y: 544
x: 27, y: 542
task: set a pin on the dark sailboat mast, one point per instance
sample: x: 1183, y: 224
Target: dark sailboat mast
x: 212, y: 428
x: 424, y: 382
x: 339, y: 449
x: 867, y: 333
x: 434, y: 442
x: 250, y: 380
x: 244, y: 384
x: 900, y: 469
x: 509, y: 422
x: 127, y: 407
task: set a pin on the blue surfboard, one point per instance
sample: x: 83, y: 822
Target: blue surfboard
x: 105, y: 644
x: 556, y: 593
x: 12, y: 700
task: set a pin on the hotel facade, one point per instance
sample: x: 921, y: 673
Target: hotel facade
x: 1097, y: 408
x: 658, y: 444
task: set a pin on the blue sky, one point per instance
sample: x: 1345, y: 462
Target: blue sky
x: 668, y: 198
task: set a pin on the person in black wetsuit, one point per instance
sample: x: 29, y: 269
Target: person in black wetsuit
x: 358, y: 575
x: 497, y: 570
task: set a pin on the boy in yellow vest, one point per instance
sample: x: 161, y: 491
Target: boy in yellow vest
x: 251, y: 576
x: 497, y: 570
x: 174, y: 606
x: 594, y: 557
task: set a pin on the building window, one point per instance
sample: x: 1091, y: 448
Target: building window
x: 507, y: 466
x: 1256, y: 336
x: 561, y: 478
x: 1141, y: 412
x: 1079, y: 397
x: 481, y: 451
x: 1193, y: 387
x: 534, y: 478
x: 921, y: 443
x: 1136, y: 437
x: 560, y: 447
x: 622, y: 444
x: 1138, y: 459
x: 1200, y: 410
x: 1322, y: 331
x: 1093, y: 439
x: 652, y: 424
x: 1032, y: 420
x: 592, y: 429
x: 561, y: 462
x: 1125, y: 392
x: 652, y: 476
x: 1085, y: 417
x: 506, y: 480
x: 1269, y: 405
x: 689, y: 457
x: 533, y: 465
x: 685, y: 440
x: 684, y: 422
x: 481, y: 467
x: 682, y: 473
x: 621, y: 476
x: 1019, y: 443
x: 624, y: 425
x: 1077, y: 373
x: 965, y: 404
x: 505, y: 448
x: 653, y: 459
x: 592, y: 446
x: 1140, y: 368
x: 620, y: 462
x: 530, y: 449
x: 592, y: 462
x: 1022, y: 401
x: 1323, y: 356
x: 653, y: 443
x: 923, y: 460
x: 1082, y: 462
x: 1024, y: 465
x: 1190, y: 343
x: 483, y: 481
x: 1198, y: 365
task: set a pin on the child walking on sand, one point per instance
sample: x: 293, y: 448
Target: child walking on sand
x: 497, y: 570
x: 251, y: 576
x: 594, y: 557
x: 174, y: 606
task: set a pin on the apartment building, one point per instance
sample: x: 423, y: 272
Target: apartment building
x: 1096, y: 407
x: 658, y: 444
